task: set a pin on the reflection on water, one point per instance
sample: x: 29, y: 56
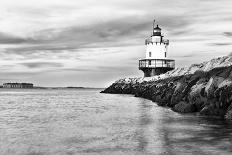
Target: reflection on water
x: 48, y: 122
x: 144, y: 121
x: 182, y: 134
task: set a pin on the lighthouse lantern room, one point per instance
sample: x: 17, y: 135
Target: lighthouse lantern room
x: 156, y: 60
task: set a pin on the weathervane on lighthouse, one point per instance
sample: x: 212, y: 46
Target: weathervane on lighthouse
x: 156, y: 61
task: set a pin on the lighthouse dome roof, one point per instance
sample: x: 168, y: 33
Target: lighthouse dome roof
x: 157, y: 28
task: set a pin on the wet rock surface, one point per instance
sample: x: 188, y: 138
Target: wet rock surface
x: 206, y: 92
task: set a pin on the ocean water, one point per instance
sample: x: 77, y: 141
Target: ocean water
x: 85, y: 122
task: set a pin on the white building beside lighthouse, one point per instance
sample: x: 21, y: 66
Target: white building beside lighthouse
x: 156, y: 59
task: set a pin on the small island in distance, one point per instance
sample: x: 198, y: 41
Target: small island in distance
x: 17, y: 85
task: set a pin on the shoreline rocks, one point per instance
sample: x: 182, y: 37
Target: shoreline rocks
x: 208, y: 92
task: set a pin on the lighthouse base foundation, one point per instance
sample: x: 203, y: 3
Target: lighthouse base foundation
x: 148, y: 72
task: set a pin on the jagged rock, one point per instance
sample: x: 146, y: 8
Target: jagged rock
x: 184, y: 107
x: 229, y: 113
x: 212, y: 110
x: 197, y: 95
x: 212, y: 85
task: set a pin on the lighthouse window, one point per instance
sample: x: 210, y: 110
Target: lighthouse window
x: 149, y: 54
x: 165, y: 54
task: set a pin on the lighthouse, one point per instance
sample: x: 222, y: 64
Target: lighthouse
x: 156, y: 60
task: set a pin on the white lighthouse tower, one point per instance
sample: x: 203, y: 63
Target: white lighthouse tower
x: 156, y: 60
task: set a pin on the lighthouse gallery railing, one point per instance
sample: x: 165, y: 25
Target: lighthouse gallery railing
x: 156, y: 63
x: 149, y: 40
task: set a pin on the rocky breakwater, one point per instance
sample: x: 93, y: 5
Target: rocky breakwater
x: 205, y: 88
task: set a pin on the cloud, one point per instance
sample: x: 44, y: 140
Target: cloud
x: 227, y: 34
x: 220, y: 44
x: 190, y: 55
x: 41, y: 64
x: 230, y: 54
x: 116, y: 32
x: 11, y: 39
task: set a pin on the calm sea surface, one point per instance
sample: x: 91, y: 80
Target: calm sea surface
x: 66, y: 122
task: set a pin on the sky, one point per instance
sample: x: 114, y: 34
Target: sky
x: 92, y: 43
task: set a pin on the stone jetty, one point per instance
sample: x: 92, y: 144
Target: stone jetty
x: 205, y: 88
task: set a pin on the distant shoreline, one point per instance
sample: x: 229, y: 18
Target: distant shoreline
x: 54, y: 88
